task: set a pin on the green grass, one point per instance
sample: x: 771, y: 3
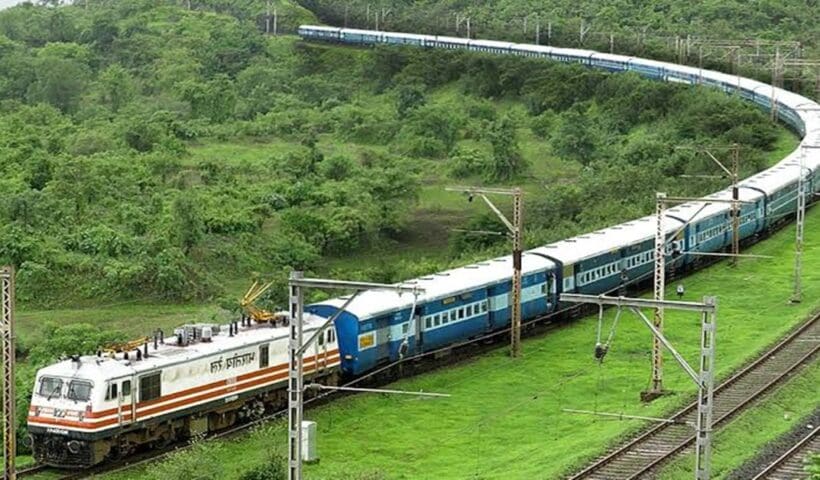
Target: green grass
x: 504, y: 418
x: 748, y: 433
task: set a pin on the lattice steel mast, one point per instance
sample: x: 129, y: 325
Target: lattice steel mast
x: 9, y: 426
x: 515, y: 228
x: 704, y: 378
x: 297, y: 347
x: 660, y: 286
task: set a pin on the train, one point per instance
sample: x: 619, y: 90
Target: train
x: 86, y: 409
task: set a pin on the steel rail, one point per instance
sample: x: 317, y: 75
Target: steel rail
x: 679, y: 443
x: 808, y: 444
x: 31, y: 470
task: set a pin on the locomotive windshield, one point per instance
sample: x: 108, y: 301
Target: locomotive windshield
x: 51, y: 387
x: 79, y: 390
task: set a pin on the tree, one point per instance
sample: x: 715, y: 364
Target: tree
x: 506, y: 161
x: 574, y: 138
x: 59, y: 82
x: 117, y: 87
x: 188, y: 220
x: 408, y: 98
x: 215, y: 99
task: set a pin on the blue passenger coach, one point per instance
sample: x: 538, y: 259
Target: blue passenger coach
x: 382, y: 326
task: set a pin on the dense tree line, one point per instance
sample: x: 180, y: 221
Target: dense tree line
x: 99, y: 108
x: 631, y: 27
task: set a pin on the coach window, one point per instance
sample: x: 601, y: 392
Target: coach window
x: 263, y: 356
x: 150, y: 387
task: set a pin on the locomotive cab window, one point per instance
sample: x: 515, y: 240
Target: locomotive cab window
x: 264, y: 354
x: 126, y: 388
x: 112, y: 392
x: 150, y: 387
x: 51, y: 387
x: 79, y: 390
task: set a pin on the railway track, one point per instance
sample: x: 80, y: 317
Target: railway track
x: 456, y: 353
x: 789, y: 466
x: 32, y: 470
x: 642, y: 454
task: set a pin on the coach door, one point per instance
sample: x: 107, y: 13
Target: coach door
x: 383, y: 337
x: 419, y: 330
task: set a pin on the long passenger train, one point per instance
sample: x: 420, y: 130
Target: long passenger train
x: 86, y: 409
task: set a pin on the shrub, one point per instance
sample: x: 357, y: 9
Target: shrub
x: 274, y: 469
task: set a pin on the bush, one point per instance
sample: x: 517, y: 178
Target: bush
x: 467, y: 161
x: 274, y: 469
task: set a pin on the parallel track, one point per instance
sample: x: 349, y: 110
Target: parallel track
x: 789, y: 466
x: 638, y: 457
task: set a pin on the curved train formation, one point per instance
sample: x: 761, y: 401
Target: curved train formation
x: 87, y: 409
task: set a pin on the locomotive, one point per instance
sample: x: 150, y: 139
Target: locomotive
x: 206, y: 377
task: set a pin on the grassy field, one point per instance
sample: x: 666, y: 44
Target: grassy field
x: 505, y: 419
x: 748, y: 433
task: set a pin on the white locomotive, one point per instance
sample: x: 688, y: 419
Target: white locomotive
x: 204, y: 378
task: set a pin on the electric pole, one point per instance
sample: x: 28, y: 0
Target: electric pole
x: 736, y: 210
x: 297, y: 347
x: 704, y: 379
x: 797, y: 296
x: 662, y: 201
x: 659, y: 289
x: 9, y: 426
x: 733, y: 174
x: 515, y: 229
